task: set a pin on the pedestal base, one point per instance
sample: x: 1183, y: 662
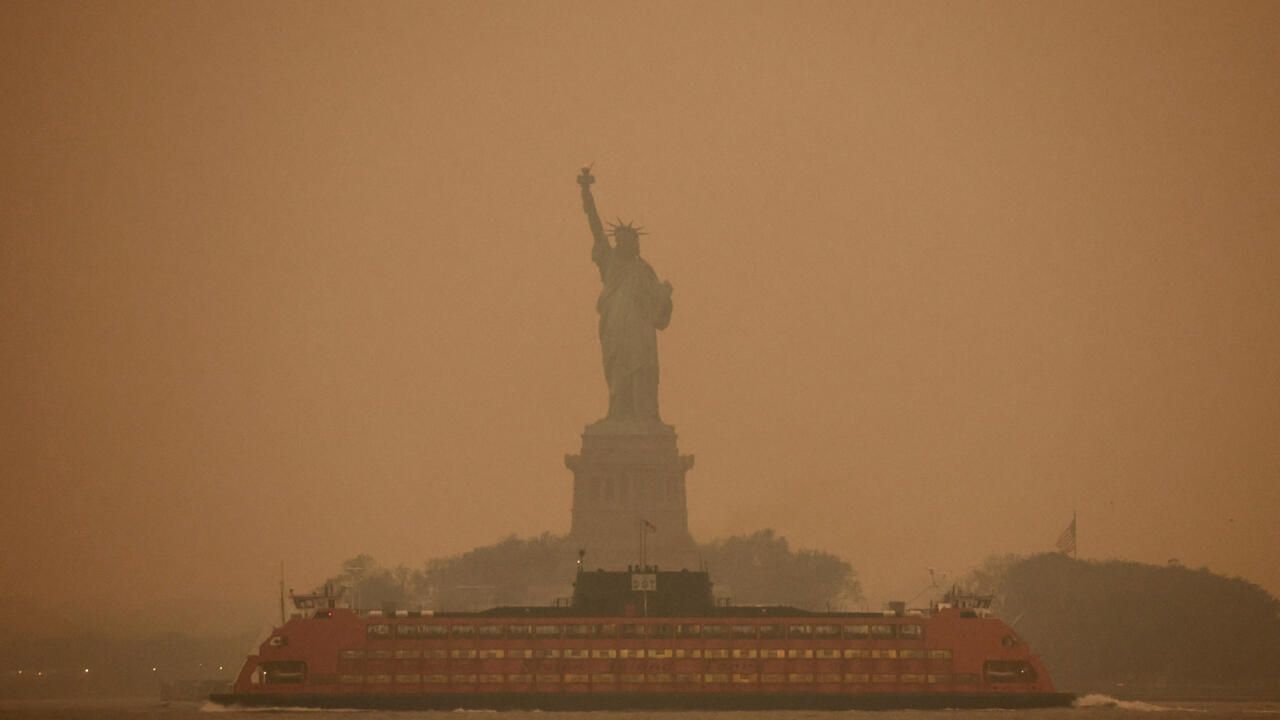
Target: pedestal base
x: 624, y: 476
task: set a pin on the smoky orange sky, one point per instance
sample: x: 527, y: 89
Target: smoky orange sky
x: 296, y: 281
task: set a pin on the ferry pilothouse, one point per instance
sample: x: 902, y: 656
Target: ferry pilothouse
x: 644, y: 639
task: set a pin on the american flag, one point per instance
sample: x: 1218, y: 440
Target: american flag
x: 649, y: 525
x: 1067, y: 540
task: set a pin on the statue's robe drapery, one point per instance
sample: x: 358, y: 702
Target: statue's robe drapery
x: 633, y: 306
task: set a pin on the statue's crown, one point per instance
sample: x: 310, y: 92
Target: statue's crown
x: 625, y: 228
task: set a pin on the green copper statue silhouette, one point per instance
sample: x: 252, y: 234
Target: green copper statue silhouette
x: 633, y: 307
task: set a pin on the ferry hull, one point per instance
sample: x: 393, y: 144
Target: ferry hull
x: 653, y: 701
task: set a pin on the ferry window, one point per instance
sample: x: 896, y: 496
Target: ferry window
x: 911, y: 631
x: 661, y: 631
x: 490, y: 631
x: 939, y: 654
x: 519, y: 631
x: 939, y: 678
x: 608, y: 630
x: 771, y: 632
x: 689, y: 631
x: 827, y: 631
x: 913, y: 678
x: 434, y: 631
x: 379, y: 632
x: 715, y: 631
x: 907, y: 654
x: 802, y: 632
x: 408, y: 654
x: 405, y: 631
x: 576, y: 631
x: 351, y: 655
x: 546, y: 631
x: 744, y: 631
x: 881, y: 631
x: 463, y: 631
x: 379, y: 654
x: 283, y: 672
x: 1008, y: 671
x: 857, y: 632
x: 632, y: 631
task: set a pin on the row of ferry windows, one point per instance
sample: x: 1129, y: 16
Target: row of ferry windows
x: 467, y: 679
x: 609, y: 653
x: 910, y: 631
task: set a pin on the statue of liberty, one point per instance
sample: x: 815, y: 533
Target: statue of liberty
x: 633, y: 307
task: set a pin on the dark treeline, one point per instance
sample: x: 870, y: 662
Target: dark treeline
x: 760, y: 568
x: 1129, y: 628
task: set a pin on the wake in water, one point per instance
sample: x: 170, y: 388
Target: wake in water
x: 1106, y: 701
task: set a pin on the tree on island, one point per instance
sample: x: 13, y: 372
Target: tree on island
x: 760, y: 568
x: 1114, y: 626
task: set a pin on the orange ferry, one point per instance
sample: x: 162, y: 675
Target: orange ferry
x: 644, y: 639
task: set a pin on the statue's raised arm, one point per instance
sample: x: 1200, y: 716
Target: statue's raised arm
x: 600, y: 247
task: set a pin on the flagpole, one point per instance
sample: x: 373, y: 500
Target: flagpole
x: 644, y: 594
x: 1075, y: 538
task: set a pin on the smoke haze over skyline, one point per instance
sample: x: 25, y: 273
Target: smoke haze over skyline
x: 300, y: 281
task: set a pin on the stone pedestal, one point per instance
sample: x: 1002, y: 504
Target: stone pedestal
x: 622, y: 477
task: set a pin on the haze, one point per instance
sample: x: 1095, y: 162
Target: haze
x: 296, y: 281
